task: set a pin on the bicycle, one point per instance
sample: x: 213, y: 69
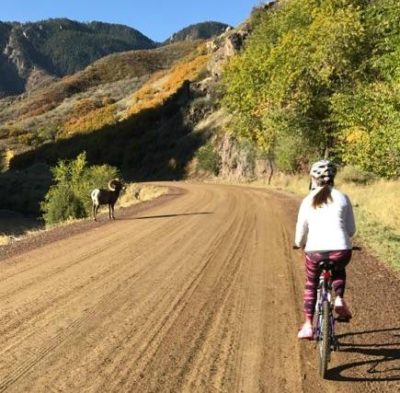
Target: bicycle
x: 324, y: 329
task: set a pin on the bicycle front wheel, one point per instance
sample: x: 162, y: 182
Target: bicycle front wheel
x: 324, y: 344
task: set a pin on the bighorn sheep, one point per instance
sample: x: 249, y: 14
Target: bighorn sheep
x: 107, y: 197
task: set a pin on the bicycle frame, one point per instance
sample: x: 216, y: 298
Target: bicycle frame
x: 324, y: 296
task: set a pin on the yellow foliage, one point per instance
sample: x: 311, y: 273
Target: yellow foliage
x: 26, y: 138
x: 162, y: 86
x: 37, y: 109
x: 84, y: 106
x: 264, y: 139
x: 355, y: 135
x: 80, y: 110
x: 7, y: 157
x: 93, y: 120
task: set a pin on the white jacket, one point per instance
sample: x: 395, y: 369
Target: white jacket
x: 328, y: 227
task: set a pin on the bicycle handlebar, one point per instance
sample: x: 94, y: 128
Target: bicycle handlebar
x: 354, y: 248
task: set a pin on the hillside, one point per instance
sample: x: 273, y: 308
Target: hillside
x: 203, y: 31
x: 36, y: 53
x: 146, y: 112
x: 136, y: 110
x: 31, y: 52
x: 40, y: 115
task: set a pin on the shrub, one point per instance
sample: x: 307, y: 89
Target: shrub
x: 208, y: 159
x: 351, y: 174
x: 69, y: 197
x: 62, y: 204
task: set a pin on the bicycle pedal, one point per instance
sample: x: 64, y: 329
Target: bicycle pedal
x: 343, y: 319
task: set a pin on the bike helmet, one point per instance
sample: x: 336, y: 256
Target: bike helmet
x: 322, y: 172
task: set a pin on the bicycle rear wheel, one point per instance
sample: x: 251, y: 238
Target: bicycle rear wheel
x: 324, y: 344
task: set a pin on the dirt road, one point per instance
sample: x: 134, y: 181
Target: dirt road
x: 200, y: 292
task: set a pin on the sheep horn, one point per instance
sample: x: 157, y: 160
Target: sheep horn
x: 112, y: 184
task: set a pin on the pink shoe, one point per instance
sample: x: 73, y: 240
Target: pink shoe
x: 341, y: 308
x: 306, y: 332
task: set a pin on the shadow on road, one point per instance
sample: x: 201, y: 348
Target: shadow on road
x: 16, y: 224
x: 380, y: 361
x: 169, y: 215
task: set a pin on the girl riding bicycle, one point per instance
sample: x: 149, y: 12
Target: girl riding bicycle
x: 324, y: 227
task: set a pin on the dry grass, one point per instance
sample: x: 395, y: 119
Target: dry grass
x: 378, y: 217
x: 379, y: 200
x: 376, y: 209
x: 4, y: 240
x: 296, y: 184
x: 92, y: 121
x: 136, y: 193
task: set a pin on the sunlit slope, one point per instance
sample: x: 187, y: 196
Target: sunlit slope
x: 100, y: 91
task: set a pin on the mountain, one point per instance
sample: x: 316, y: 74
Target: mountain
x: 144, y: 111
x: 202, y: 31
x: 34, y: 53
x: 110, y: 78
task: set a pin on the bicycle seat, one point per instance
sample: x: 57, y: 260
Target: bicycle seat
x: 327, y: 264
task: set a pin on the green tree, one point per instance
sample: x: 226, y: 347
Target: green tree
x: 279, y: 88
x: 367, y: 113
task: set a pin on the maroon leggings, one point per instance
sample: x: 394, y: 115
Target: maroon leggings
x: 341, y: 259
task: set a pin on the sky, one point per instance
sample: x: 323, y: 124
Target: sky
x: 157, y: 19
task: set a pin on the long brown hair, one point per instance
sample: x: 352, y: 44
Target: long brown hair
x: 322, y: 196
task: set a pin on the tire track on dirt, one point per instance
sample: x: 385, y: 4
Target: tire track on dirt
x: 269, y: 321
x: 182, y: 300
x: 59, y: 339
x: 111, y: 271
x: 201, y: 294
x: 219, y: 351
